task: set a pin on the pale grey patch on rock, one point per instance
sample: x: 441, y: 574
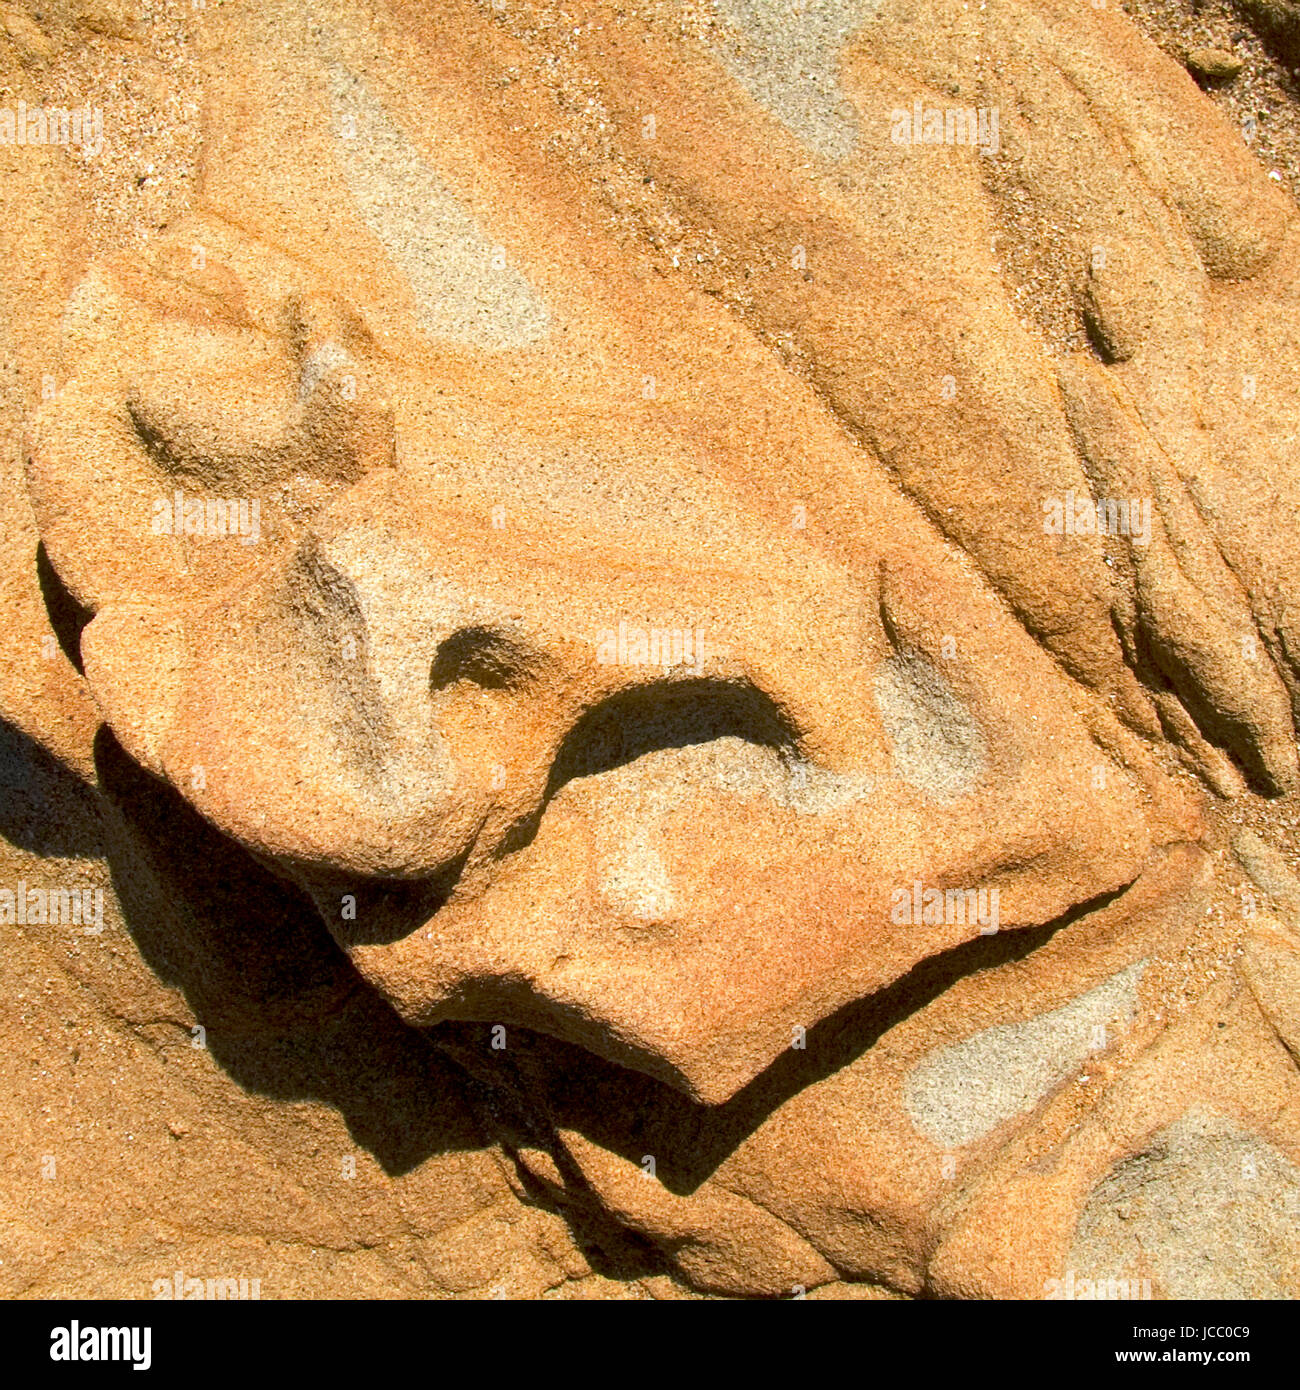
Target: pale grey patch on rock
x: 319, y: 363
x: 637, y: 798
x: 635, y: 881
x: 465, y: 290
x: 741, y: 768
x: 960, y: 1093
x: 1269, y: 872
x: 750, y: 770
x: 936, y: 744
x: 787, y: 56
x: 1206, y: 1210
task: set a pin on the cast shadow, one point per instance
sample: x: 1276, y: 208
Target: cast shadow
x: 285, y: 1013
x: 631, y: 1114
x: 44, y: 808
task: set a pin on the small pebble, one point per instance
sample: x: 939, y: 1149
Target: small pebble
x: 1213, y: 64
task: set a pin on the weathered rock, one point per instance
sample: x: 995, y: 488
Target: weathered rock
x: 651, y: 628
x: 1213, y: 64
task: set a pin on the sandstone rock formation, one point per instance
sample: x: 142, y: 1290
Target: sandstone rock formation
x: 666, y: 637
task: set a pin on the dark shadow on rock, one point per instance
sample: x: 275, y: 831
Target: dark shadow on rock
x: 631, y: 1114
x: 1277, y: 24
x: 662, y: 714
x: 388, y: 909
x: 505, y: 1089
x: 45, y: 809
x: 286, y: 1015
x: 67, y: 617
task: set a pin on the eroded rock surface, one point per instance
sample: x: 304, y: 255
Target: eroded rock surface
x: 668, y: 636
